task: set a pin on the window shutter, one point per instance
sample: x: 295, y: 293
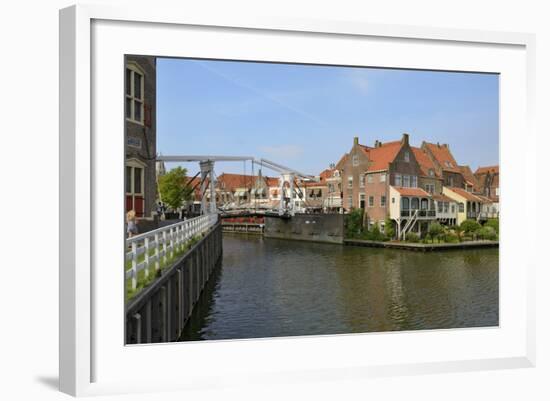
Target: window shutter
x: 147, y: 116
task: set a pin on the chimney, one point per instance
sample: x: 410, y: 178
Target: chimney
x: 438, y: 145
x: 376, y: 143
x: 405, y: 139
x: 356, y: 140
x: 445, y: 145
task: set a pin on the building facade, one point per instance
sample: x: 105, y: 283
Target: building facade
x: 140, y: 135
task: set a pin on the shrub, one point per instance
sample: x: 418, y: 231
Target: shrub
x: 450, y: 236
x: 488, y: 233
x: 388, y: 228
x: 354, y: 223
x: 374, y: 234
x: 412, y: 237
x: 435, y: 230
x: 470, y: 226
x: 493, y: 223
x: 458, y: 231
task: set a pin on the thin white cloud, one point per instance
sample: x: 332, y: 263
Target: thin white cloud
x: 360, y: 80
x: 282, y: 152
x: 271, y: 97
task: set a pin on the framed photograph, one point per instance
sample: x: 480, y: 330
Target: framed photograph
x: 291, y: 199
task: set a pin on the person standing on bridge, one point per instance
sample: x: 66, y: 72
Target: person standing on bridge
x: 131, y: 223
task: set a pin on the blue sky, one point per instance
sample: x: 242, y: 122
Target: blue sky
x: 306, y: 116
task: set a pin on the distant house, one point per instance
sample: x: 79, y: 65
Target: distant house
x: 469, y: 205
x: 488, y: 178
x: 140, y: 135
x: 414, y: 186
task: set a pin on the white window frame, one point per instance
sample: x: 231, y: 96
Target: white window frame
x: 135, y: 69
x: 407, y: 180
x: 350, y: 181
x: 407, y: 157
x: 371, y: 198
x: 398, y: 180
x: 362, y: 181
x: 385, y: 201
x: 133, y: 164
x: 382, y: 177
x: 355, y: 160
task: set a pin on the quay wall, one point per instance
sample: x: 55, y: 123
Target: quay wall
x: 159, y: 312
x: 307, y: 227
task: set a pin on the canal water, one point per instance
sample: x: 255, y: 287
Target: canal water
x: 270, y: 288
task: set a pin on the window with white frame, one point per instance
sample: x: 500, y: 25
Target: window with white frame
x: 362, y: 201
x: 383, y: 177
x: 461, y: 207
x: 350, y: 201
x: 135, y: 86
x: 134, y: 180
x: 406, y: 182
x: 355, y: 160
x: 383, y: 201
x: 430, y: 188
x: 371, y: 201
x: 406, y: 157
x: 350, y: 181
x: 362, y: 180
x: 398, y: 180
x: 370, y: 178
x: 414, y: 181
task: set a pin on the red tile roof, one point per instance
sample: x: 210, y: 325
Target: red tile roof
x: 411, y: 191
x: 425, y: 162
x: 327, y: 173
x: 484, y: 199
x: 487, y: 169
x: 465, y: 194
x: 443, y: 156
x: 469, y: 177
x: 381, y: 156
x: 272, y: 181
x: 232, y: 181
x: 442, y: 198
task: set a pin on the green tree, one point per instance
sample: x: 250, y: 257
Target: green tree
x: 354, y: 220
x: 458, y: 231
x: 173, y: 187
x: 470, y: 227
x: 435, y: 230
x: 389, y: 230
x: 493, y: 223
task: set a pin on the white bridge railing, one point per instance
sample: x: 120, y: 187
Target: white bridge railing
x: 158, y: 245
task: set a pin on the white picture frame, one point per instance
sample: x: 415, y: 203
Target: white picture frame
x: 84, y: 349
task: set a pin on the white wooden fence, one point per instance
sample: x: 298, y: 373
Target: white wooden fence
x: 158, y: 245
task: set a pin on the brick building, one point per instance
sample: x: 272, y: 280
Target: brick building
x: 140, y: 135
x: 413, y: 185
x: 488, y: 179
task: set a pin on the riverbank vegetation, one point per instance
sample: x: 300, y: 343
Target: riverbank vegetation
x: 469, y: 230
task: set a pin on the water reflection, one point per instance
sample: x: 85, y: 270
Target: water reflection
x: 269, y: 288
